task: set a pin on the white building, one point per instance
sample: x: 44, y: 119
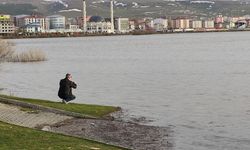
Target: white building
x: 74, y: 28
x: 160, y: 24
x: 196, y: 24
x: 98, y: 24
x: 32, y: 23
x: 208, y: 24
x: 55, y: 22
x: 122, y: 25
x: 131, y: 25
x: 33, y: 28
x: 99, y: 27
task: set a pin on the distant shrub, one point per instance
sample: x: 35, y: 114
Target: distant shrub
x: 7, y: 53
x: 29, y: 56
x: 6, y: 50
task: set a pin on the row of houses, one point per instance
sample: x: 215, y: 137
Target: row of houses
x: 187, y: 24
x: 97, y: 24
x: 35, y: 23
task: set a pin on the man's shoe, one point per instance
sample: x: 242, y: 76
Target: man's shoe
x: 64, y: 102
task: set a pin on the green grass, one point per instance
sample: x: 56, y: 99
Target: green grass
x: 14, y: 137
x: 85, y: 109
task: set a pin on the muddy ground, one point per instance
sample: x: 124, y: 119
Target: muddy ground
x: 129, y: 135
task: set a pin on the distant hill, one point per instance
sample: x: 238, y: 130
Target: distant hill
x: 128, y: 8
x: 14, y: 9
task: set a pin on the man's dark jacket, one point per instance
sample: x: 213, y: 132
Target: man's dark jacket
x: 65, y: 89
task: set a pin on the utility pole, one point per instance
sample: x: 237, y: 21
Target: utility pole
x: 84, y: 16
x: 112, y: 16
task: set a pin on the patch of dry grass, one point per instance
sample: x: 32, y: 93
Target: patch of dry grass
x: 29, y: 56
x: 6, y: 50
x: 7, y: 53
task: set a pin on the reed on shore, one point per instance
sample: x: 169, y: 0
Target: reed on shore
x: 29, y: 56
x: 6, y: 50
x: 7, y: 53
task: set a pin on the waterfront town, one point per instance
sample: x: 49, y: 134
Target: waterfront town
x: 34, y: 24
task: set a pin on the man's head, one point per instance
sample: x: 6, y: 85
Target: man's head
x: 68, y: 76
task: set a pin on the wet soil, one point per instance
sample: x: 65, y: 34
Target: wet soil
x: 124, y: 134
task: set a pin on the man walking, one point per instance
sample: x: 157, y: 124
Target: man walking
x: 65, y: 89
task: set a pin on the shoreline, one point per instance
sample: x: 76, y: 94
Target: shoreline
x: 81, y: 34
x: 114, y: 131
x: 118, y: 133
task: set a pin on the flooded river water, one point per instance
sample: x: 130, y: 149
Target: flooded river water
x: 197, y: 84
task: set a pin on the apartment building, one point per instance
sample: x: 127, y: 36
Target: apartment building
x: 180, y: 23
x: 196, y: 24
x: 122, y: 25
x: 6, y: 25
x: 31, y: 23
x: 208, y: 24
x: 55, y: 22
x: 160, y: 24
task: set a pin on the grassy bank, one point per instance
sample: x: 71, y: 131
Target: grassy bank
x: 15, y: 137
x: 85, y: 109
